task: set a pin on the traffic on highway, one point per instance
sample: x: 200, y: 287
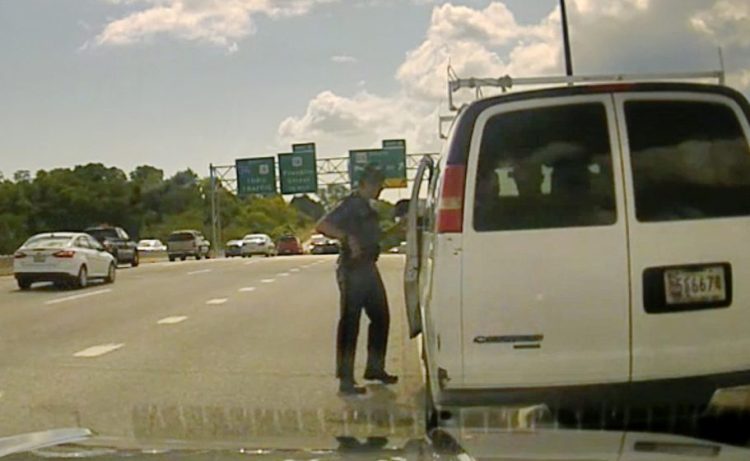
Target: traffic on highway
x: 411, y: 230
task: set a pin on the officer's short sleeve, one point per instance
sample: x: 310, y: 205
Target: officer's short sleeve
x: 343, y: 215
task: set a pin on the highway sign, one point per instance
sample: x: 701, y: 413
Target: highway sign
x: 306, y: 147
x: 396, y: 144
x: 297, y: 171
x: 392, y: 162
x: 256, y: 176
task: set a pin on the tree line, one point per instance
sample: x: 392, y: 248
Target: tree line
x: 148, y: 205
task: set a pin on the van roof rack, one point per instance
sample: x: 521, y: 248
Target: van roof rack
x: 507, y: 82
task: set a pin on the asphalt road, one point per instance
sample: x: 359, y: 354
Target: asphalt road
x: 223, y: 349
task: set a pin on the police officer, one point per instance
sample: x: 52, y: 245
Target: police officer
x: 355, y: 223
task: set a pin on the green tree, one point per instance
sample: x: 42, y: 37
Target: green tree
x: 331, y: 195
x: 309, y: 207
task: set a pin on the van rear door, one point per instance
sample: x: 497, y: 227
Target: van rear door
x: 688, y: 165
x: 545, y: 297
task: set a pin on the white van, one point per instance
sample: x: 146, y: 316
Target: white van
x: 585, y: 245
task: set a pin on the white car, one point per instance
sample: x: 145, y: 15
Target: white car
x: 258, y: 244
x: 585, y: 246
x: 65, y: 258
x: 151, y: 245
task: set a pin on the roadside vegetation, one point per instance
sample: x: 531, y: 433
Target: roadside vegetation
x: 148, y: 205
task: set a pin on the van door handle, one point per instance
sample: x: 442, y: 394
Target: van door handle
x: 509, y: 339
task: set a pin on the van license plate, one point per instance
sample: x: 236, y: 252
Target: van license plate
x: 688, y: 286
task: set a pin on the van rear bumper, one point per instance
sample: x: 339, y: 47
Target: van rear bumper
x: 693, y: 390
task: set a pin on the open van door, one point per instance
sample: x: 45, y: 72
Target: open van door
x: 414, y: 221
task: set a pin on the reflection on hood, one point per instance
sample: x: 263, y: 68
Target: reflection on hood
x: 444, y: 444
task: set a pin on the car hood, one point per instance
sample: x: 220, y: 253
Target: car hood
x: 578, y: 445
x: 450, y: 444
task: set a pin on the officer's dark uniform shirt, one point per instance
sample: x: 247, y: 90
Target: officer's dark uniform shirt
x: 356, y: 218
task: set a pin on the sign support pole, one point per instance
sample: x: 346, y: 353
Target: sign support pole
x: 213, y: 208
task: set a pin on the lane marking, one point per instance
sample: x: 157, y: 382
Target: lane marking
x: 268, y: 280
x: 202, y: 271
x: 296, y: 269
x: 216, y: 301
x: 78, y: 296
x: 172, y: 320
x: 246, y: 289
x: 96, y: 351
x: 250, y: 262
x: 283, y: 274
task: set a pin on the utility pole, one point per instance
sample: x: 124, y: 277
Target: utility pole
x: 566, y: 40
x: 215, y: 241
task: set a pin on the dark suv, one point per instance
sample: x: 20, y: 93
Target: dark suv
x: 117, y: 242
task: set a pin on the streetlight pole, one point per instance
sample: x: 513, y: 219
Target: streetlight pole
x: 566, y: 40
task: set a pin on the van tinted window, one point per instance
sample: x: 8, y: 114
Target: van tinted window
x: 545, y: 168
x: 690, y: 160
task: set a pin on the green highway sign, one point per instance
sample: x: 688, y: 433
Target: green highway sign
x: 395, y: 144
x: 303, y: 148
x: 298, y: 172
x: 391, y: 161
x: 256, y: 176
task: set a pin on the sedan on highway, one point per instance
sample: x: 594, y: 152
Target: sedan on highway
x: 233, y: 248
x: 258, y: 244
x: 64, y: 258
x: 151, y: 246
x: 322, y: 245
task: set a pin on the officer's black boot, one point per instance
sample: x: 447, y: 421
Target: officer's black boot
x: 381, y: 376
x: 349, y: 387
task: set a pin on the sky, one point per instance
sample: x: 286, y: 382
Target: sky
x: 184, y: 83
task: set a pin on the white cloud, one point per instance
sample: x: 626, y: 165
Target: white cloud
x: 343, y: 59
x: 218, y: 22
x: 610, y: 8
x: 471, y: 40
x: 608, y: 37
x: 727, y: 20
x: 360, y: 120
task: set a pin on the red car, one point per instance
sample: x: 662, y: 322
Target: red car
x: 289, y: 245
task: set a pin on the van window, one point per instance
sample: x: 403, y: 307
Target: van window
x: 181, y: 237
x: 690, y: 160
x: 545, y: 168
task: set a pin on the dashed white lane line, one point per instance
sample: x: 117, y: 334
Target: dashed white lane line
x: 250, y: 262
x: 283, y: 274
x: 216, y: 301
x: 78, y: 296
x: 268, y: 280
x: 172, y: 320
x: 246, y: 289
x: 96, y: 351
x: 296, y: 269
x: 202, y: 271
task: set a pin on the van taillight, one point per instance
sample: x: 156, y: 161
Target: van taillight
x: 64, y: 254
x: 450, y: 214
x: 19, y: 255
